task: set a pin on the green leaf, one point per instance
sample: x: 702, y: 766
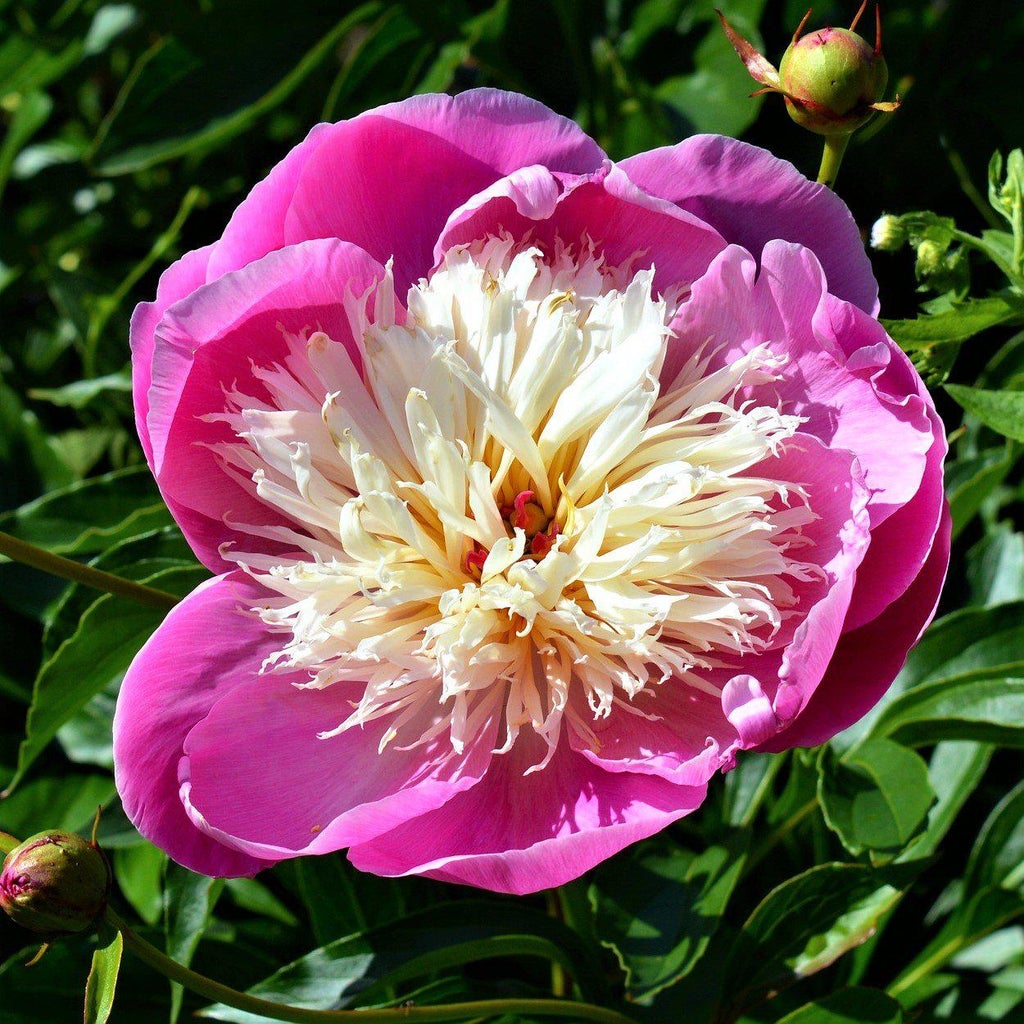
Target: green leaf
x: 715, y: 97
x: 954, y: 771
x: 91, y: 515
x: 1003, y: 411
x: 178, y: 65
x: 967, y: 641
x: 995, y: 567
x: 998, y: 855
x: 338, y: 900
x: 139, y: 871
x: 952, y: 326
x: 443, y: 937
x: 66, y: 802
x: 970, y: 481
x: 806, y: 923
x: 848, y: 1006
x: 973, y: 706
x: 658, y: 907
x: 29, y: 116
x: 102, y: 982
x: 109, y: 635
x: 136, y: 558
x: 79, y: 393
x: 876, y: 796
x: 189, y: 900
x: 255, y: 897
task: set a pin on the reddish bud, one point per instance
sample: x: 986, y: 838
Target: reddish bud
x: 55, y: 883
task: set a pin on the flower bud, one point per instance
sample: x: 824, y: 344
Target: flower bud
x: 929, y: 257
x: 888, y: 233
x: 830, y: 78
x: 55, y: 883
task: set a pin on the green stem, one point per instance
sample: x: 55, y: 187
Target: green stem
x: 68, y: 569
x: 560, y: 983
x: 210, y: 989
x: 831, y: 158
x: 109, y: 304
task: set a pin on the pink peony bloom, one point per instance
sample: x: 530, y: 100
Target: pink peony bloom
x: 537, y: 488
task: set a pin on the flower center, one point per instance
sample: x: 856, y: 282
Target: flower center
x: 509, y: 514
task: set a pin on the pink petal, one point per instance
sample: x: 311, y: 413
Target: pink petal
x: 257, y: 776
x: 828, y: 383
x: 177, y: 281
x: 626, y: 225
x: 203, y: 649
x: 752, y: 197
x: 869, y: 658
x: 208, y: 343
x: 519, y: 834
x: 749, y: 711
x: 388, y: 180
x: 678, y: 734
x: 695, y: 735
x: 901, y: 544
x: 257, y: 225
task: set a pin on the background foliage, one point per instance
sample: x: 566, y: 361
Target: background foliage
x: 809, y: 885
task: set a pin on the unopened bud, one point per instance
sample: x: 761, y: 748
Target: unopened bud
x: 55, y: 883
x: 929, y: 257
x: 888, y: 233
x: 830, y: 79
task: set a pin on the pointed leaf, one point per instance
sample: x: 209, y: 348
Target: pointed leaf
x: 102, y: 983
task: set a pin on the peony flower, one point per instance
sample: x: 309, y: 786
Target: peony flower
x: 536, y: 487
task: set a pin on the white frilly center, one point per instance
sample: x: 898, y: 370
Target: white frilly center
x: 505, y: 516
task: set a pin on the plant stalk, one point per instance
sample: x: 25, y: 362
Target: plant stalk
x: 68, y: 569
x: 484, y: 1008
x: 831, y: 158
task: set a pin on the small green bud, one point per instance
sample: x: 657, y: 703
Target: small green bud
x: 888, y: 233
x: 55, y: 883
x: 929, y: 257
x: 830, y: 78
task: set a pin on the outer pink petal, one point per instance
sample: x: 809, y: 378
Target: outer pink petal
x: 899, y: 546
x: 752, y: 197
x: 203, y: 649
x: 208, y: 343
x: 177, y: 281
x: 521, y: 833
x: 388, y: 180
x: 869, y: 658
x: 257, y: 775
x: 257, y: 225
x: 788, y: 308
x: 626, y: 225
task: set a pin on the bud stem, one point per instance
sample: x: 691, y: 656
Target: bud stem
x: 484, y: 1008
x: 831, y: 158
x: 68, y: 569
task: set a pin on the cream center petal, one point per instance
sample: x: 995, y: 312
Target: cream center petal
x: 506, y: 513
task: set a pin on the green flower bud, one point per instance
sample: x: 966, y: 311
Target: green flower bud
x: 55, y: 883
x: 929, y: 257
x: 888, y: 233
x: 830, y: 79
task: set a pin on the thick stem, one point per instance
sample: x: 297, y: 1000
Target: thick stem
x: 831, y: 158
x: 68, y: 569
x: 484, y: 1008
